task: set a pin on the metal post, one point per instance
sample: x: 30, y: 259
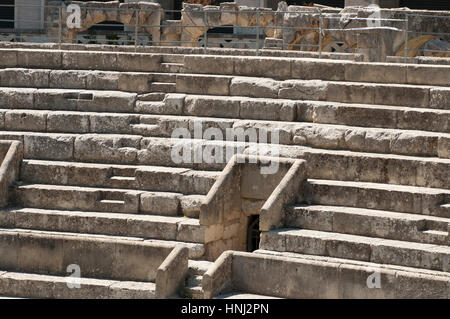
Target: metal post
x: 136, y: 27
x: 257, y: 31
x: 205, y: 35
x: 60, y: 28
x: 406, y: 38
x: 320, y: 34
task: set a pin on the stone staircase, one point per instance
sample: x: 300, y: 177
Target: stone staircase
x: 106, y: 206
x: 193, y: 288
x: 98, y: 165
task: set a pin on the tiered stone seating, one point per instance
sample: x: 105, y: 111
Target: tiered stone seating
x: 97, y: 128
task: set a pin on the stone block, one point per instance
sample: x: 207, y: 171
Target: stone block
x: 160, y: 203
x: 254, y: 87
x: 203, y: 84
x: 47, y: 146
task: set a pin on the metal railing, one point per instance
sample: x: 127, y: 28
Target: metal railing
x: 198, y: 32
x: 409, y: 32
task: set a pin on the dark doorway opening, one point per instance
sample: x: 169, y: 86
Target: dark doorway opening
x: 6, y: 14
x: 253, y: 233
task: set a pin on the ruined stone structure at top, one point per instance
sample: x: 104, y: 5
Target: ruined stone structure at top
x: 171, y: 171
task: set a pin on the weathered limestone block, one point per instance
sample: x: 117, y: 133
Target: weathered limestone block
x: 101, y: 80
x: 268, y: 110
x: 203, y: 84
x: 10, y: 98
x: 190, y: 205
x: 101, y: 148
x: 304, y: 90
x: 428, y: 75
x: 219, y: 107
x: 254, y: 87
x: 354, y: 93
x: 160, y: 203
x: 24, y: 78
x: 174, y: 103
x: 134, y: 82
x: 9, y: 58
x: 213, y: 16
x: 411, y: 144
x: 192, y: 15
x: 197, y: 182
x: 156, y: 152
x: 112, y: 123
x: 189, y: 230
x: 229, y: 15
x: 46, y: 146
x: 267, y: 132
x: 279, y: 68
x: 402, y: 95
x: 273, y: 43
x: 137, y: 62
x: 440, y: 98
x: 443, y: 147
x: 50, y: 59
x: 106, y: 101
x: 255, y: 185
x: 68, y: 79
x: 309, y: 69
x: 49, y: 99
x: 375, y: 72
x: 16, y: 120
x: 322, y: 137
x: 85, y: 60
x: 209, y: 64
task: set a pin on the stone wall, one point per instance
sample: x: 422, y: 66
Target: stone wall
x: 348, y: 30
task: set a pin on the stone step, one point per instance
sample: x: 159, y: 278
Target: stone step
x: 395, y: 198
x: 376, y: 250
x: 371, y: 223
x: 193, y: 292
x: 167, y: 228
x: 235, y: 107
x: 149, y: 107
x: 19, y: 284
x: 376, y: 168
x: 327, y: 136
x: 76, y: 79
x: 194, y: 281
x: 321, y: 163
x: 96, y: 256
x: 166, y: 87
x: 351, y: 278
x: 317, y: 69
x: 164, y: 77
x: 199, y: 267
x: 67, y: 100
x: 15, y: 46
x: 172, y: 58
x: 152, y: 97
x: 150, y: 178
x: 351, y: 114
x: 83, y: 60
x: 419, y: 96
x: 172, y: 67
x: 104, y: 200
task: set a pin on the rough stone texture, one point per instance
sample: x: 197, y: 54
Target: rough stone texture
x: 98, y: 165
